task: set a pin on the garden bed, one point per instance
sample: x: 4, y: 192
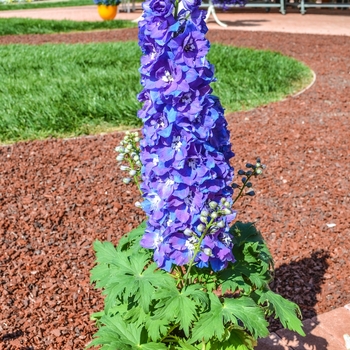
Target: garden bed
x: 58, y: 196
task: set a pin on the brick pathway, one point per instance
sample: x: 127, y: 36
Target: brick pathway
x: 326, y: 22
x: 323, y: 332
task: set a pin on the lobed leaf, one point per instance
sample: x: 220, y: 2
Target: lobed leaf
x: 210, y: 324
x: 248, y: 313
x: 176, y: 306
x: 239, y: 339
x: 285, y: 310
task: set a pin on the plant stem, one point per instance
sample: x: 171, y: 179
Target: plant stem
x: 176, y: 8
x: 196, y: 251
x: 168, y: 334
x: 242, y: 188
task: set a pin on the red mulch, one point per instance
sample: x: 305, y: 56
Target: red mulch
x: 58, y: 196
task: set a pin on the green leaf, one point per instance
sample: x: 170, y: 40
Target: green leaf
x: 250, y: 314
x: 187, y: 346
x: 156, y: 327
x: 245, y: 232
x: 133, y: 280
x: 132, y: 239
x: 105, y: 252
x: 196, y: 293
x: 177, y: 306
x: 153, y: 346
x: 231, y: 279
x: 205, y: 277
x: 287, y: 311
x: 100, y: 274
x: 238, y: 340
x: 210, y: 324
x: 114, y: 333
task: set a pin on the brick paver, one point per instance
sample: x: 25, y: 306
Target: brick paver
x: 323, y: 332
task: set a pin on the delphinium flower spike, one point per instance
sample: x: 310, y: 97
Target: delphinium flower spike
x: 185, y: 150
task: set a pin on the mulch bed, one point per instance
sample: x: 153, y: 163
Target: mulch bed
x: 58, y: 196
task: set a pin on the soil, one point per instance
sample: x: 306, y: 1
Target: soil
x: 58, y: 196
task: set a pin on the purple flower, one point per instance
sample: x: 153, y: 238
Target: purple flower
x: 189, y: 46
x: 161, y: 8
x: 185, y: 150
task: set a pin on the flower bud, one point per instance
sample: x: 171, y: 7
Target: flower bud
x: 136, y: 158
x: 203, y: 219
x: 227, y: 204
x: 126, y: 180
x: 120, y: 158
x: 221, y: 224
x: 207, y: 251
x: 188, y: 232
x: 258, y: 171
x: 213, y: 205
x: 227, y: 211
x: 201, y: 228
x: 124, y: 167
x: 204, y: 213
x: 138, y: 204
x: 214, y: 215
x: 132, y: 172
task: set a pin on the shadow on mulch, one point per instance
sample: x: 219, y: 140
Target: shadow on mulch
x: 301, y: 281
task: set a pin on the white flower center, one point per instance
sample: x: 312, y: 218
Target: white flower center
x: 153, y: 54
x: 155, y: 201
x: 190, y: 47
x: 192, y: 163
x: 186, y: 98
x: 167, y: 77
x: 190, y: 243
x: 158, y: 240
x: 225, y: 239
x: 169, y: 182
x: 155, y: 160
x: 176, y: 143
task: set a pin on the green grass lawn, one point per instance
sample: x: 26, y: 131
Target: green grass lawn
x: 43, y: 4
x: 68, y: 90
x: 13, y: 26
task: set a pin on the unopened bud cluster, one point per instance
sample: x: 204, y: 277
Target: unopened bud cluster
x: 212, y: 217
x: 129, y: 152
x: 253, y: 170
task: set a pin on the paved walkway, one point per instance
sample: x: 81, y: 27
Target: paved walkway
x: 326, y: 331
x: 316, y: 21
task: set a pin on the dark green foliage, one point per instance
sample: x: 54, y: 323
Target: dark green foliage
x: 148, y: 308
